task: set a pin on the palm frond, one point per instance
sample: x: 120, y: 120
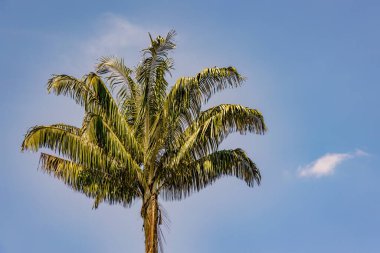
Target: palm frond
x: 212, y: 126
x: 189, y: 177
x: 113, y: 187
x: 68, y: 145
x: 114, y: 118
x: 95, y: 97
x: 188, y: 94
x: 117, y: 73
x: 150, y: 74
x: 119, y: 77
x: 99, y: 133
x: 69, y: 86
x: 154, y: 66
x: 71, y: 129
x: 183, y: 103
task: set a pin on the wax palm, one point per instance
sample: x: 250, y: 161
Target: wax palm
x: 140, y: 141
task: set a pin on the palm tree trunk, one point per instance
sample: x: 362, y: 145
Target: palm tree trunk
x: 150, y: 213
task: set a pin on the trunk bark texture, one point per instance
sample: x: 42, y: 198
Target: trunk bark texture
x: 150, y: 214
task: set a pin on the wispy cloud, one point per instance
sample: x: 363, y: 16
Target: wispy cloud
x: 116, y: 34
x: 327, y: 164
x: 112, y: 35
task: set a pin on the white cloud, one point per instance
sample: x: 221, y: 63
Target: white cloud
x: 116, y: 34
x: 327, y: 164
x: 111, y: 35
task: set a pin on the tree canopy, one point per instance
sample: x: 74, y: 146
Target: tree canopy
x: 141, y: 139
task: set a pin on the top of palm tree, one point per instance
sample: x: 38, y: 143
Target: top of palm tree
x: 140, y: 139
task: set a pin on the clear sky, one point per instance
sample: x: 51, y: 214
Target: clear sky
x: 312, y: 68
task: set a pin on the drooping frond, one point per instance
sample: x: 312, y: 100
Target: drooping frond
x: 69, y: 86
x: 117, y: 73
x: 212, y: 126
x: 112, y: 187
x: 183, y: 103
x: 96, y: 98
x: 111, y: 113
x: 192, y: 176
x: 188, y: 94
x: 100, y: 134
x: 212, y: 80
x: 68, y: 145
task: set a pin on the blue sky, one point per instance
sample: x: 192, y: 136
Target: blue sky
x: 312, y: 68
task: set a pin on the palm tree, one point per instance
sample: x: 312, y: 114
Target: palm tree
x: 140, y: 141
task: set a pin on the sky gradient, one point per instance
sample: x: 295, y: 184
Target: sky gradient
x: 312, y: 69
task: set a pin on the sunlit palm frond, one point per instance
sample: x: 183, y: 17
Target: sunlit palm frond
x: 68, y: 145
x: 71, y: 129
x: 212, y: 126
x: 188, y: 93
x: 69, y: 86
x: 150, y: 75
x: 119, y: 77
x: 189, y: 177
x: 117, y: 74
x: 112, y: 187
x: 100, y: 134
x: 96, y: 98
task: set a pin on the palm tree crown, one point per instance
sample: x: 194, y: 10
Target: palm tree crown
x: 141, y: 140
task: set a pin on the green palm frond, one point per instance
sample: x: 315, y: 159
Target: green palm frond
x: 212, y: 126
x: 95, y: 97
x: 69, y: 145
x: 119, y: 77
x: 189, y: 93
x: 113, y: 187
x: 71, y: 129
x: 151, y: 72
x: 117, y: 73
x: 189, y: 177
x: 100, y: 134
x: 108, y: 107
x: 69, y: 86
x: 150, y: 75
x: 183, y: 103
x: 212, y: 80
